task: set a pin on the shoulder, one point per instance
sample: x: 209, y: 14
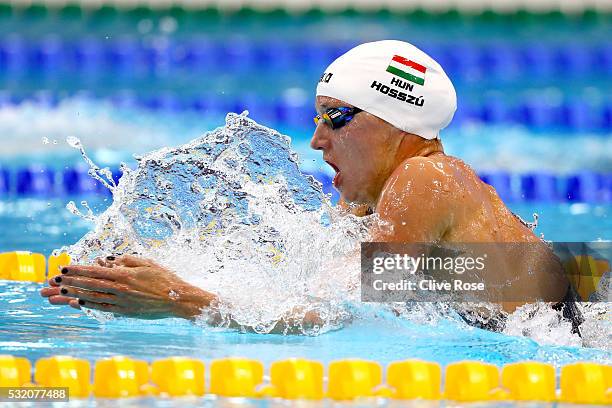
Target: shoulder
x: 421, y: 178
x: 419, y: 199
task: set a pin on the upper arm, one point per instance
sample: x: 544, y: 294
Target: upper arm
x: 417, y: 202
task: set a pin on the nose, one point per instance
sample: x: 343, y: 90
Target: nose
x: 320, y: 139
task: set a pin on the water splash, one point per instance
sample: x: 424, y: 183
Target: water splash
x: 232, y: 213
x: 539, y: 322
x: 71, y: 206
x: 74, y: 142
x: 103, y: 175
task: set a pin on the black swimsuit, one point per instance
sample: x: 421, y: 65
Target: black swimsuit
x: 570, y: 310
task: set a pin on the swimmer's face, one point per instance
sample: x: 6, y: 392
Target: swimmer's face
x: 362, y: 152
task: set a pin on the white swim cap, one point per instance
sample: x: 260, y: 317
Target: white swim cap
x: 395, y: 81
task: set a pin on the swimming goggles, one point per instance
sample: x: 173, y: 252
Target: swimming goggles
x: 337, y: 117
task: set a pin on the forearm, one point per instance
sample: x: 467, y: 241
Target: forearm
x: 191, y: 301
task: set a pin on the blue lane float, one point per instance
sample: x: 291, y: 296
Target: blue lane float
x: 35, y: 180
x: 209, y: 104
x: 502, y: 183
x: 87, y: 54
x: 539, y: 186
x: 583, y: 186
x: 587, y: 186
x: 163, y: 102
x: 42, y: 181
x: 571, y: 116
x: 4, y: 181
x: 76, y: 180
x: 464, y: 61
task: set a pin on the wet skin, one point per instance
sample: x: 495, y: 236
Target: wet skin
x: 129, y: 286
x: 424, y: 194
x: 430, y: 197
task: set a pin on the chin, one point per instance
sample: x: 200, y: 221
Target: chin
x: 352, y: 197
x: 345, y: 197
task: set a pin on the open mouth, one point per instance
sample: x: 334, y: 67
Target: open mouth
x: 337, y: 170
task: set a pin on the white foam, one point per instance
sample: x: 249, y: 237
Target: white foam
x: 231, y: 213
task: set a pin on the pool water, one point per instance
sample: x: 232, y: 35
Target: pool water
x: 32, y: 328
x: 145, y: 87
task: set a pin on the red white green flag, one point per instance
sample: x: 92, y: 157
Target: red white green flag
x: 407, y: 69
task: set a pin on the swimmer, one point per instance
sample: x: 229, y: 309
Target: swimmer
x: 380, y: 109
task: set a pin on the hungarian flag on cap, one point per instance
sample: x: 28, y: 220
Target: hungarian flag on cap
x: 407, y: 69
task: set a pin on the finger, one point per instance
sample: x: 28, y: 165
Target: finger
x: 112, y: 260
x: 50, y: 291
x: 76, y: 303
x: 60, y: 300
x: 92, y: 271
x: 83, y: 282
x: 104, y: 263
x: 130, y: 261
x: 55, y: 281
x: 88, y: 295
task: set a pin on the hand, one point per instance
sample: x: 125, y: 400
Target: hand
x: 129, y: 286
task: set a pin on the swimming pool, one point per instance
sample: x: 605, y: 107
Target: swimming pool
x: 533, y: 120
x: 35, y: 329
